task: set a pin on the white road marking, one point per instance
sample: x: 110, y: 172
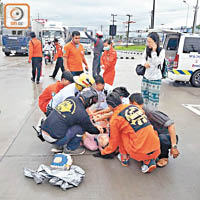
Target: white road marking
x: 193, y: 108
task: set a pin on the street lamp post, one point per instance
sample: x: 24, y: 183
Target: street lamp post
x: 187, y: 11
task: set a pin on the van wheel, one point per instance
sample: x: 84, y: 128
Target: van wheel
x: 7, y: 53
x: 195, y: 80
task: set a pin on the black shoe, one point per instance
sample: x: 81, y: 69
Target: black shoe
x: 33, y: 79
x: 38, y: 82
x: 52, y: 76
x: 57, y: 149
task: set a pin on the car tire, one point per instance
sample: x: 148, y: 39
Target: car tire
x: 7, y: 53
x: 195, y: 79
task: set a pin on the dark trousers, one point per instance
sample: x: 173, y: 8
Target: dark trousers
x: 96, y: 64
x: 72, y: 138
x: 36, y: 64
x: 77, y: 73
x: 59, y: 64
x: 165, y: 145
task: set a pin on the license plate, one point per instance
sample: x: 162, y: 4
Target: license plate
x: 13, y: 52
x: 12, y: 38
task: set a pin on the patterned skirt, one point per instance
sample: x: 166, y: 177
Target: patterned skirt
x: 151, y: 92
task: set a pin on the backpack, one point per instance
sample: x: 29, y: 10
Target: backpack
x: 163, y: 68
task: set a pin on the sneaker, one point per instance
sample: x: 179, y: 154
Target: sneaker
x: 38, y: 82
x: 124, y: 162
x: 33, y: 79
x: 148, y: 166
x: 51, y: 76
x: 79, y: 151
x: 57, y: 149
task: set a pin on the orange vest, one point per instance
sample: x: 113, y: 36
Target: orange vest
x: 59, y: 52
x: 47, y: 95
x: 132, y: 132
x: 35, y: 48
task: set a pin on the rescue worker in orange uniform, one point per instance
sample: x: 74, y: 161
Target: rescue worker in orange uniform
x: 53, y: 89
x: 35, y: 55
x: 58, y: 57
x: 74, y: 55
x: 108, y: 62
x: 131, y: 131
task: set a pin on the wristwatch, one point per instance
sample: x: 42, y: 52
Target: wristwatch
x: 174, y: 146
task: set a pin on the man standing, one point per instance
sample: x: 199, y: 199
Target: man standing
x: 35, y: 55
x: 74, y: 55
x: 59, y: 57
x: 98, y: 49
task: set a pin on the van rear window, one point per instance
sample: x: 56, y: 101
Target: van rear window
x: 172, y: 44
x: 191, y: 44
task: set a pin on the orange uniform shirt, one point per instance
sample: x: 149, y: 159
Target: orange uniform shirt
x: 131, y: 131
x: 59, y: 52
x: 35, y: 48
x: 74, y: 56
x: 109, y: 59
x: 47, y: 95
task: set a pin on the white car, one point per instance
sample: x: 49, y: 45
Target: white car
x: 183, y: 56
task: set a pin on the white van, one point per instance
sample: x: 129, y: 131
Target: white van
x: 183, y: 56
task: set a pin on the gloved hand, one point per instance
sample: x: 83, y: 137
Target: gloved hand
x: 102, y: 70
x: 174, y: 152
x: 108, y: 156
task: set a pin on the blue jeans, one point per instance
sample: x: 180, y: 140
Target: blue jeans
x: 77, y: 73
x: 72, y: 138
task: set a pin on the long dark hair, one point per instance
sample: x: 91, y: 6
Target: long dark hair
x: 155, y: 37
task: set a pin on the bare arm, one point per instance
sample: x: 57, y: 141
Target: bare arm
x: 65, y: 63
x: 172, y: 133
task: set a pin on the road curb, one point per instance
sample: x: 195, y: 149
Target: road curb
x: 131, y: 52
x: 122, y: 57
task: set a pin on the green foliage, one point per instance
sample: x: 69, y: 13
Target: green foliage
x: 131, y: 48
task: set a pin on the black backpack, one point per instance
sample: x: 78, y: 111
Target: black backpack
x: 163, y: 68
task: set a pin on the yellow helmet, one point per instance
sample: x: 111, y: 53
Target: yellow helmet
x: 84, y: 80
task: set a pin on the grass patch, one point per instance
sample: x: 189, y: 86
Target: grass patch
x: 131, y: 48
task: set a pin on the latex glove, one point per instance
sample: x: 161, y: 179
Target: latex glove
x: 102, y: 70
x: 101, y: 130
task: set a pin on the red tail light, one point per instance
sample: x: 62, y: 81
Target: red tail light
x: 175, y: 64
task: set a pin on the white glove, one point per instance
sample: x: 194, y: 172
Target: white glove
x: 102, y: 70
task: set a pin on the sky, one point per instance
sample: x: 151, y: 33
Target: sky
x: 93, y: 14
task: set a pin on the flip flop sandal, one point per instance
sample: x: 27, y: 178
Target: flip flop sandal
x: 162, y: 162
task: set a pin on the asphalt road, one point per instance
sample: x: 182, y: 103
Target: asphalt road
x: 105, y: 179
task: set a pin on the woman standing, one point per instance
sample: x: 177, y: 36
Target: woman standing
x: 108, y: 62
x: 154, y: 57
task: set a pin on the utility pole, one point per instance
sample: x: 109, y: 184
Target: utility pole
x: 153, y: 15
x: 128, y: 22
x: 101, y: 28
x: 113, y: 20
x: 195, y: 17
